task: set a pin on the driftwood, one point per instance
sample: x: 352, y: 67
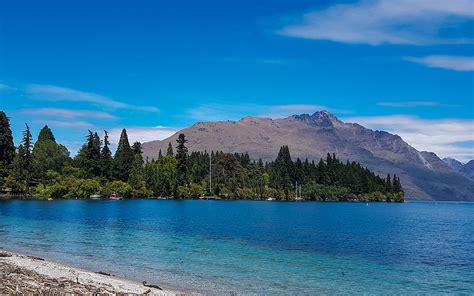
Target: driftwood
x: 103, y: 273
x: 35, y: 258
x: 151, y: 285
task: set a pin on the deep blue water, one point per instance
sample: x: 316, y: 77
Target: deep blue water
x: 262, y: 247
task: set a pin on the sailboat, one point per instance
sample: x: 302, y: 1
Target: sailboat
x: 298, y: 197
x: 210, y: 196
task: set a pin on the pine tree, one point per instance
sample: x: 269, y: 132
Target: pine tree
x: 137, y: 176
x: 283, y: 170
x: 48, y: 155
x: 137, y: 148
x: 21, y: 175
x: 388, y: 184
x: 123, y: 159
x: 182, y: 158
x: 7, y: 147
x: 106, y: 159
x: 89, y: 156
x: 397, y: 185
x: 169, y: 151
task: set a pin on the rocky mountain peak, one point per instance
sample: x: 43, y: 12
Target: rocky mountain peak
x: 320, y: 118
x: 453, y: 163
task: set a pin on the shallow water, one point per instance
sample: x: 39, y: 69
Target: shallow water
x: 262, y: 247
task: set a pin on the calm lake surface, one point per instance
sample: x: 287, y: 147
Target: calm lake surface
x: 262, y: 247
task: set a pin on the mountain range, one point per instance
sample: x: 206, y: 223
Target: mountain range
x: 466, y: 169
x: 423, y: 174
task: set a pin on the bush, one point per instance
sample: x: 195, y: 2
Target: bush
x: 118, y: 187
x: 83, y: 188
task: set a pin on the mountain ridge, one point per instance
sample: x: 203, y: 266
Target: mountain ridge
x: 423, y: 174
x: 465, y: 169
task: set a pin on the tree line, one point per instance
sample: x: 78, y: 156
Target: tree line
x: 44, y: 169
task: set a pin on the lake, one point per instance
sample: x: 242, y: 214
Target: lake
x: 255, y: 247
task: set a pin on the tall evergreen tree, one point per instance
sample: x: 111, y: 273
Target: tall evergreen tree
x: 89, y: 156
x: 137, y: 176
x: 106, y: 159
x: 22, y: 167
x: 123, y: 159
x: 7, y: 147
x: 48, y: 155
x: 388, y: 184
x: 182, y: 158
x: 396, y: 185
x: 283, y: 170
x: 169, y: 151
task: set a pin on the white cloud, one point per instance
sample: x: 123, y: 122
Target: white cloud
x: 456, y: 63
x: 67, y: 113
x: 375, y: 22
x: 411, y: 104
x: 57, y: 93
x: 442, y: 136
x: 142, y: 134
x: 220, y: 112
x: 65, y: 123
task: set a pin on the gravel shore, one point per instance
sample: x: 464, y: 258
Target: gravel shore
x: 28, y: 275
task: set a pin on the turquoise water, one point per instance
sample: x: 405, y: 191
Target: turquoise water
x: 255, y: 247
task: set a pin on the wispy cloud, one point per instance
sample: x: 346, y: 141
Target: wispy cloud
x: 375, y: 22
x: 445, y: 137
x: 219, y: 112
x: 57, y: 93
x: 67, y: 113
x: 412, y: 104
x: 455, y: 63
x: 4, y: 86
x: 142, y: 134
x: 64, y: 123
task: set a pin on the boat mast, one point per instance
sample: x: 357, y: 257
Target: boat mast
x: 210, y: 174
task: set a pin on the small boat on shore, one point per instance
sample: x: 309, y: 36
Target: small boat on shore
x: 209, y: 197
x: 114, y: 196
x: 270, y: 199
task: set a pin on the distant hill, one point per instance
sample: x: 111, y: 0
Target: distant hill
x: 423, y: 174
x: 466, y: 170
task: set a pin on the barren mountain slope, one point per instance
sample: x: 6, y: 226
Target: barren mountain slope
x: 423, y: 174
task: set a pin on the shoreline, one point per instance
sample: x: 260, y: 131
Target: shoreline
x: 24, y: 274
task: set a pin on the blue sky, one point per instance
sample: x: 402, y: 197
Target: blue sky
x: 156, y: 66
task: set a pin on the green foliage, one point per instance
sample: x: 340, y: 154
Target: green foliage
x: 69, y: 187
x: 315, y: 191
x: 20, y: 177
x: 88, y: 157
x: 48, y: 168
x: 7, y: 148
x: 161, y: 176
x: 48, y: 155
x: 123, y: 160
x: 182, y: 158
x: 118, y: 187
x: 169, y: 151
x: 106, y: 159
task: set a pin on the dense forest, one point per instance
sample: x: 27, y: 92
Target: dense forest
x: 44, y: 169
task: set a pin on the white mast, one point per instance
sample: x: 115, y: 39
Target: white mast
x: 210, y: 174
